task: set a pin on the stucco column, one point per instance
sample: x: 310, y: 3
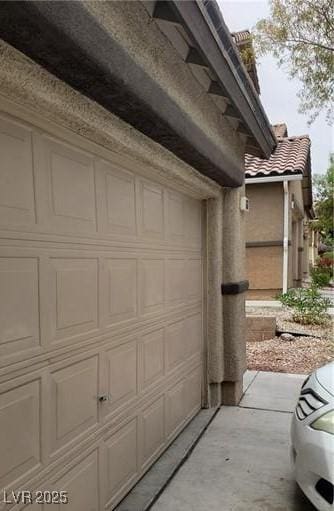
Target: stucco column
x: 234, y: 273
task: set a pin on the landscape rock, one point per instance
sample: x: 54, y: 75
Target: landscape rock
x: 287, y: 337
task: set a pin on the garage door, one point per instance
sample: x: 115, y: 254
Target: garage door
x: 100, y: 317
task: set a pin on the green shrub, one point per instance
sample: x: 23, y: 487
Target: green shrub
x: 307, y: 304
x: 326, y: 264
x: 321, y: 276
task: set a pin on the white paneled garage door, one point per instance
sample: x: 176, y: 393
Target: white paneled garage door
x: 100, y: 317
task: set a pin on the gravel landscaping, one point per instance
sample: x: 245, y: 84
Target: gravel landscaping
x: 302, y: 355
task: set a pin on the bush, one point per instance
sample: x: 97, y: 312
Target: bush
x: 326, y: 264
x: 328, y: 255
x: 308, y: 306
x: 321, y: 276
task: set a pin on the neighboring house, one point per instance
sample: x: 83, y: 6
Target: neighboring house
x: 280, y: 209
x: 123, y: 132
x: 280, y: 244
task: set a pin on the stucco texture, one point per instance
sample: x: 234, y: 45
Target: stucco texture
x: 264, y: 267
x: 264, y: 226
x: 234, y: 270
x: 264, y: 222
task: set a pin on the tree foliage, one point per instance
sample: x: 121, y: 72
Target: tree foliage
x: 300, y: 35
x: 323, y: 186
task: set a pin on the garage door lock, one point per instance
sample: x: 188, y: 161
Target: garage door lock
x: 104, y: 397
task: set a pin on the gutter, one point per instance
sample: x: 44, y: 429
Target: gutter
x: 241, y: 75
x: 312, y: 247
x: 285, y: 235
x: 273, y: 179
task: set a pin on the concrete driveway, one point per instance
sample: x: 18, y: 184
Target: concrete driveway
x: 242, y: 461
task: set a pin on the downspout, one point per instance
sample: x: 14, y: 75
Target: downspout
x: 312, y: 246
x: 285, y: 235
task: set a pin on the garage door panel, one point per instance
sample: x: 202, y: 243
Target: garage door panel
x: 193, y: 213
x: 183, y: 341
x: 17, y: 204
x: 175, y: 408
x: 193, y: 271
x: 193, y: 338
x: 152, y: 282
x: 121, y: 376
x: 193, y: 391
x: 33, y: 507
x: 19, y: 304
x: 175, y: 344
x: 152, y: 210
x: 121, y: 294
x: 175, y: 217
x: 72, y: 297
x: 183, y: 401
x: 120, y: 462
x: 116, y: 192
x: 66, y: 187
x: 102, y: 287
x: 153, y: 431
x: 74, y: 401
x: 152, y: 351
x: 175, y: 281
x: 82, y: 486
x: 20, y: 439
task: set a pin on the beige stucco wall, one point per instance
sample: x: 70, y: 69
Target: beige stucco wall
x: 264, y: 221
x: 295, y: 188
x: 264, y: 270
x: 264, y: 224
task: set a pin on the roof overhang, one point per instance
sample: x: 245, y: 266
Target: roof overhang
x: 216, y: 50
x: 68, y: 41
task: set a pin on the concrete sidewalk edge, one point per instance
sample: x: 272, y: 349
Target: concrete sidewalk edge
x: 153, y: 483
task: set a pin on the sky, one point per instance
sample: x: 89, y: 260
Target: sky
x: 278, y: 92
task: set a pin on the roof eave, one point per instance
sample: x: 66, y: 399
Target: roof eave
x: 79, y: 50
x: 223, y: 58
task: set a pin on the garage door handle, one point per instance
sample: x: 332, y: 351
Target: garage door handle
x: 104, y: 397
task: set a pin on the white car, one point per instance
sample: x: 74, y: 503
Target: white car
x: 312, y: 438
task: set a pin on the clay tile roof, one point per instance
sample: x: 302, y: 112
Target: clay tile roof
x: 242, y: 36
x: 280, y: 130
x: 289, y: 157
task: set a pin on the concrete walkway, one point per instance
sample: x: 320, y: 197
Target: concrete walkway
x: 242, y: 461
